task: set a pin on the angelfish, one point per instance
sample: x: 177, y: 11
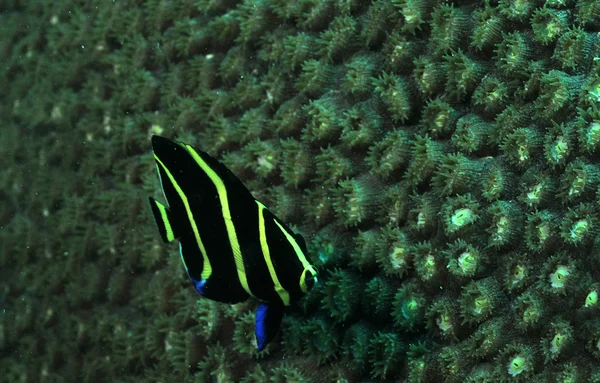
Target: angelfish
x: 231, y: 245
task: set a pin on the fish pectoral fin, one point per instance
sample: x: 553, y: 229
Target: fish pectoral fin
x: 268, y: 319
x: 164, y: 220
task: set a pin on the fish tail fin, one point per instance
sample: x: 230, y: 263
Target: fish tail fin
x: 268, y: 319
x: 164, y: 220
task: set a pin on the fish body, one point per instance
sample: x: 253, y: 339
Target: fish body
x: 231, y: 245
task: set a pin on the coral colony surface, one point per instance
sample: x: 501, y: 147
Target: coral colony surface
x: 440, y: 157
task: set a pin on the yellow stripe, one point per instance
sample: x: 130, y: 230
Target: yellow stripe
x: 206, y: 267
x: 283, y: 294
x: 305, y: 264
x: 166, y: 223
x: 222, y: 192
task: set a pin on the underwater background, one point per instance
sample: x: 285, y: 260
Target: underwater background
x: 440, y: 158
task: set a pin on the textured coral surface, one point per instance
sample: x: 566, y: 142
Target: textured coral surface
x: 440, y: 157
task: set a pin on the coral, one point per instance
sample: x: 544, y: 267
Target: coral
x: 506, y: 223
x: 342, y: 294
x: 414, y: 12
x: 361, y: 125
x: 472, y: 134
x: 457, y: 174
x: 390, y: 154
x: 459, y: 214
x: 542, y: 230
x: 356, y: 200
x: 559, y: 340
x: 339, y: 39
x: 538, y: 188
x: 449, y: 28
x: 443, y: 318
x: 517, y: 361
x: 393, y: 251
x: 514, y: 52
x: 518, y: 271
x: 358, y: 80
x: 548, y: 24
x: 439, y: 118
x: 409, y: 307
x: 480, y: 299
x: 518, y: 10
x: 463, y: 74
x: 493, y: 94
x: 429, y: 75
x: 439, y: 158
x: 530, y: 310
x: 323, y: 119
x: 465, y: 260
x: 573, y: 49
x: 427, y: 153
x: 377, y: 298
x: 558, y: 90
x: 490, y: 336
x: 385, y: 351
x: 579, y: 225
x: 522, y: 145
x: 488, y: 27
x: 400, y: 51
x: 396, y: 93
x: 355, y: 345
x: 423, y: 216
x: 322, y: 338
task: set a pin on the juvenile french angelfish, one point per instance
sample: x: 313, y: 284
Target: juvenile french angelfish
x: 231, y: 245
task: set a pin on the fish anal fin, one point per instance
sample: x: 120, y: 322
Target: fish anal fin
x: 164, y: 220
x: 268, y: 319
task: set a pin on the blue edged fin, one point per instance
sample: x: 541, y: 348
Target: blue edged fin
x: 268, y: 319
x: 164, y: 220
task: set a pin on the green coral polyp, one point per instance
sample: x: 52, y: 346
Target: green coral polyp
x: 522, y: 145
x: 464, y: 259
x: 390, y: 154
x: 489, y: 26
x: 578, y: 226
x: 448, y: 28
x: 472, y: 133
x: 558, y: 144
x: 530, y: 309
x: 342, y: 294
x: 393, y: 251
x: 459, y: 213
x: 429, y: 75
x: 409, y: 305
x: 591, y: 300
x: 439, y: 118
x: 425, y: 262
x: 457, y: 174
x: 507, y: 221
x: 516, y: 361
x: 385, y: 352
x: 514, y: 52
x: 518, y: 272
x: 480, y: 299
x: 427, y: 153
x: 356, y: 200
x: 559, y: 339
x: 396, y: 93
x: 558, y: 90
x: 463, y: 74
x: 579, y: 181
x: 549, y: 24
